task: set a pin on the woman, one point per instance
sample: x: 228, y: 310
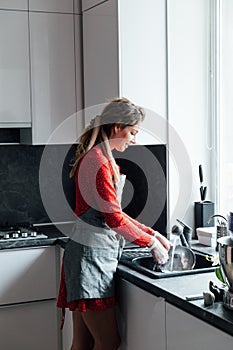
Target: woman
x: 91, y: 256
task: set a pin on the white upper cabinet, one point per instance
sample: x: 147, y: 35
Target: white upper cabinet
x: 14, y: 4
x: 79, y: 73
x: 53, y: 77
x: 101, y: 71
x: 64, y: 6
x: 77, y: 6
x: 86, y: 4
x: 125, y: 55
x: 14, y: 69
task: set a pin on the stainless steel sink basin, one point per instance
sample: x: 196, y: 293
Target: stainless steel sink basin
x: 143, y: 262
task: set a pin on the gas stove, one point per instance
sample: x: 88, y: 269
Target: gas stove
x: 20, y: 232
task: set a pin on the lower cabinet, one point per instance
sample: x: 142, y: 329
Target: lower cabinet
x: 29, y: 318
x: 150, y: 323
x: 29, y: 326
x: 141, y: 318
x: 185, y: 331
x: 67, y: 330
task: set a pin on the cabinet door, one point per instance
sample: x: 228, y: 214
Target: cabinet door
x: 100, y: 50
x: 64, y: 6
x: 86, y: 4
x: 67, y: 331
x: 141, y: 317
x: 77, y: 6
x: 29, y: 326
x: 185, y: 331
x: 14, y: 4
x: 53, y: 77
x: 27, y: 274
x: 14, y: 69
x: 121, y: 60
x: 143, y: 63
x: 79, y: 73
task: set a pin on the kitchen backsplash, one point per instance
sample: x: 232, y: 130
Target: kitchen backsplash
x: 20, y: 191
x: 19, y: 183
x: 145, y: 194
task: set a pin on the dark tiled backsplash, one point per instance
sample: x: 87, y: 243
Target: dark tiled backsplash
x: 145, y: 169
x: 20, y: 194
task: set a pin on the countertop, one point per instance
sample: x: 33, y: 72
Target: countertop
x: 173, y: 289
x: 57, y: 234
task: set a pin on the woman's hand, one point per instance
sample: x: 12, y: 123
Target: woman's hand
x: 159, y: 248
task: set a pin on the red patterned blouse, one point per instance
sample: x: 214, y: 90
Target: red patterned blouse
x: 96, y: 169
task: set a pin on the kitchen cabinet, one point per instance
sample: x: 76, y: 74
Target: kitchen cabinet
x: 78, y: 73
x: 120, y: 59
x: 28, y: 294
x: 141, y: 318
x: 29, y: 326
x: 14, y: 4
x: 63, y: 6
x: 185, y: 331
x: 14, y: 70
x: 67, y: 331
x: 77, y: 6
x: 53, y: 74
x: 86, y: 4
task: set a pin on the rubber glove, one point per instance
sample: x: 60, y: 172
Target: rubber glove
x: 159, y: 248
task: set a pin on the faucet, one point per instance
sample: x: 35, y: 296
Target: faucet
x: 185, y: 234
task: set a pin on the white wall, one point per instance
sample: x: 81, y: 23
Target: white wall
x: 226, y: 120
x: 188, y: 77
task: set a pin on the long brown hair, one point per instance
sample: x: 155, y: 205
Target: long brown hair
x: 119, y: 111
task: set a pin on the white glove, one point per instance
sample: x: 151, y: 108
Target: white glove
x: 159, y: 248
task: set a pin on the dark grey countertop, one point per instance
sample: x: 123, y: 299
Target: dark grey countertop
x: 56, y: 235
x: 175, y: 290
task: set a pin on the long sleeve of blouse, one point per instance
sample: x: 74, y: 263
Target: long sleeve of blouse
x: 95, y: 188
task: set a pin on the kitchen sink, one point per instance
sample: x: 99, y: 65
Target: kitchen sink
x: 142, y: 261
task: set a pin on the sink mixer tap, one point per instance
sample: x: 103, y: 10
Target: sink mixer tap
x: 185, y: 233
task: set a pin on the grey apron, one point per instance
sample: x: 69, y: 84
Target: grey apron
x: 91, y: 256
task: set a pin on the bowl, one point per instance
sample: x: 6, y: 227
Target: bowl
x: 225, y: 245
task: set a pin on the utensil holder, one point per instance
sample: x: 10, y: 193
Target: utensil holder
x: 230, y: 221
x: 202, y: 212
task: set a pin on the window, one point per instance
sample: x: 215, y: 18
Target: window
x: 224, y: 104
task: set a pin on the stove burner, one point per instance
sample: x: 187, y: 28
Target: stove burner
x: 19, y: 232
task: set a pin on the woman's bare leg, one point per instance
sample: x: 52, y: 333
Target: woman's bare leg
x: 103, y: 327
x: 82, y: 338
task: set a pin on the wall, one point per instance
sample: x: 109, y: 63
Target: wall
x: 145, y: 192
x: 19, y: 184
x: 188, y: 104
